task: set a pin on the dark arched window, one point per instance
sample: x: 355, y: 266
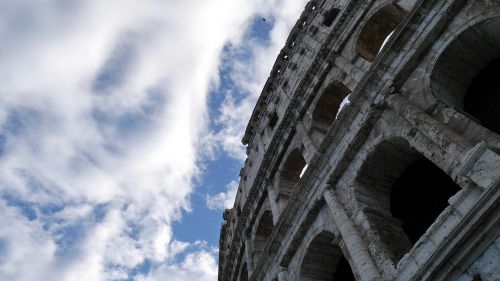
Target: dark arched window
x: 324, y: 261
x: 405, y: 193
x: 377, y: 29
x: 419, y: 195
x: 330, y: 16
x: 326, y: 110
x: 465, y: 75
x: 262, y: 233
x: 482, y: 99
x: 291, y: 172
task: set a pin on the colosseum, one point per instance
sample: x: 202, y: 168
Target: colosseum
x: 374, y: 148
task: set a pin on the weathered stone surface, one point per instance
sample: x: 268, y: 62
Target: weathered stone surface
x: 341, y: 124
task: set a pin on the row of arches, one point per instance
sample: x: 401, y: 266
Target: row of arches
x: 371, y: 39
x: 408, y: 187
x: 322, y: 116
x: 464, y: 74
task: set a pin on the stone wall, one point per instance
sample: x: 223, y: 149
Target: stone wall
x: 370, y: 154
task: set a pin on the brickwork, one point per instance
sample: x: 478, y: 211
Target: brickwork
x: 374, y: 98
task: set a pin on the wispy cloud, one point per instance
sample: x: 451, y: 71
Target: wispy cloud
x: 225, y: 199
x: 102, y: 113
x: 248, y: 64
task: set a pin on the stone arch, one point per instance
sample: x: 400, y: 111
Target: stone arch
x: 263, y: 230
x: 330, y: 16
x: 290, y: 173
x: 465, y: 74
x: 377, y: 30
x: 402, y: 194
x: 326, y: 110
x: 324, y: 260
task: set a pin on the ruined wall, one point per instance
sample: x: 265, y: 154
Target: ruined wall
x: 374, y: 148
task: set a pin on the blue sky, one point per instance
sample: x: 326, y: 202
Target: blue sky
x: 120, y: 130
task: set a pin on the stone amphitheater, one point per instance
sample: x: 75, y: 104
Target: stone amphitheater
x: 374, y: 148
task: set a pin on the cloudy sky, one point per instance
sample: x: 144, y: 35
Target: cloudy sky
x: 120, y: 129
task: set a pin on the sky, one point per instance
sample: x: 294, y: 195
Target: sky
x: 120, y: 131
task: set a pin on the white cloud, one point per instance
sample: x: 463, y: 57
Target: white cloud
x: 199, y: 265
x: 250, y: 75
x: 103, y: 109
x: 27, y: 250
x: 223, y: 200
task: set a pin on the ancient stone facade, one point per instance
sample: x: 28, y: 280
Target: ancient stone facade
x: 374, y: 148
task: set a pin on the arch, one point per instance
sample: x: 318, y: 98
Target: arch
x: 330, y: 16
x: 326, y: 109
x: 262, y: 233
x: 324, y: 261
x: 273, y: 119
x: 403, y: 193
x: 465, y: 75
x: 377, y: 29
x: 421, y: 182
x: 291, y: 172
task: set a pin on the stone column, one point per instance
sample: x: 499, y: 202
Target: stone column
x: 273, y: 202
x: 283, y: 274
x: 310, y: 147
x: 454, y: 145
x: 248, y: 253
x: 272, y: 197
x: 364, y: 265
x: 348, y: 68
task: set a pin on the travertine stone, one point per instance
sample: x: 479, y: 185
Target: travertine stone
x: 403, y: 105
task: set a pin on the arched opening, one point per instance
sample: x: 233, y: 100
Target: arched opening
x: 402, y: 194
x: 465, y: 75
x: 482, y: 99
x: 262, y: 233
x: 290, y: 173
x: 377, y: 29
x: 273, y: 119
x: 343, y: 271
x: 324, y: 261
x: 244, y: 273
x: 330, y: 16
x: 419, y: 195
x: 326, y: 110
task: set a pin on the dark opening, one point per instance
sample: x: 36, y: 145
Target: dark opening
x: 330, y: 16
x: 419, y: 195
x: 477, y: 277
x: 264, y: 229
x: 273, y: 119
x: 326, y: 110
x: 290, y: 173
x: 377, y: 29
x: 343, y: 271
x: 328, y: 106
x: 324, y: 261
x: 244, y: 273
x: 482, y: 99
